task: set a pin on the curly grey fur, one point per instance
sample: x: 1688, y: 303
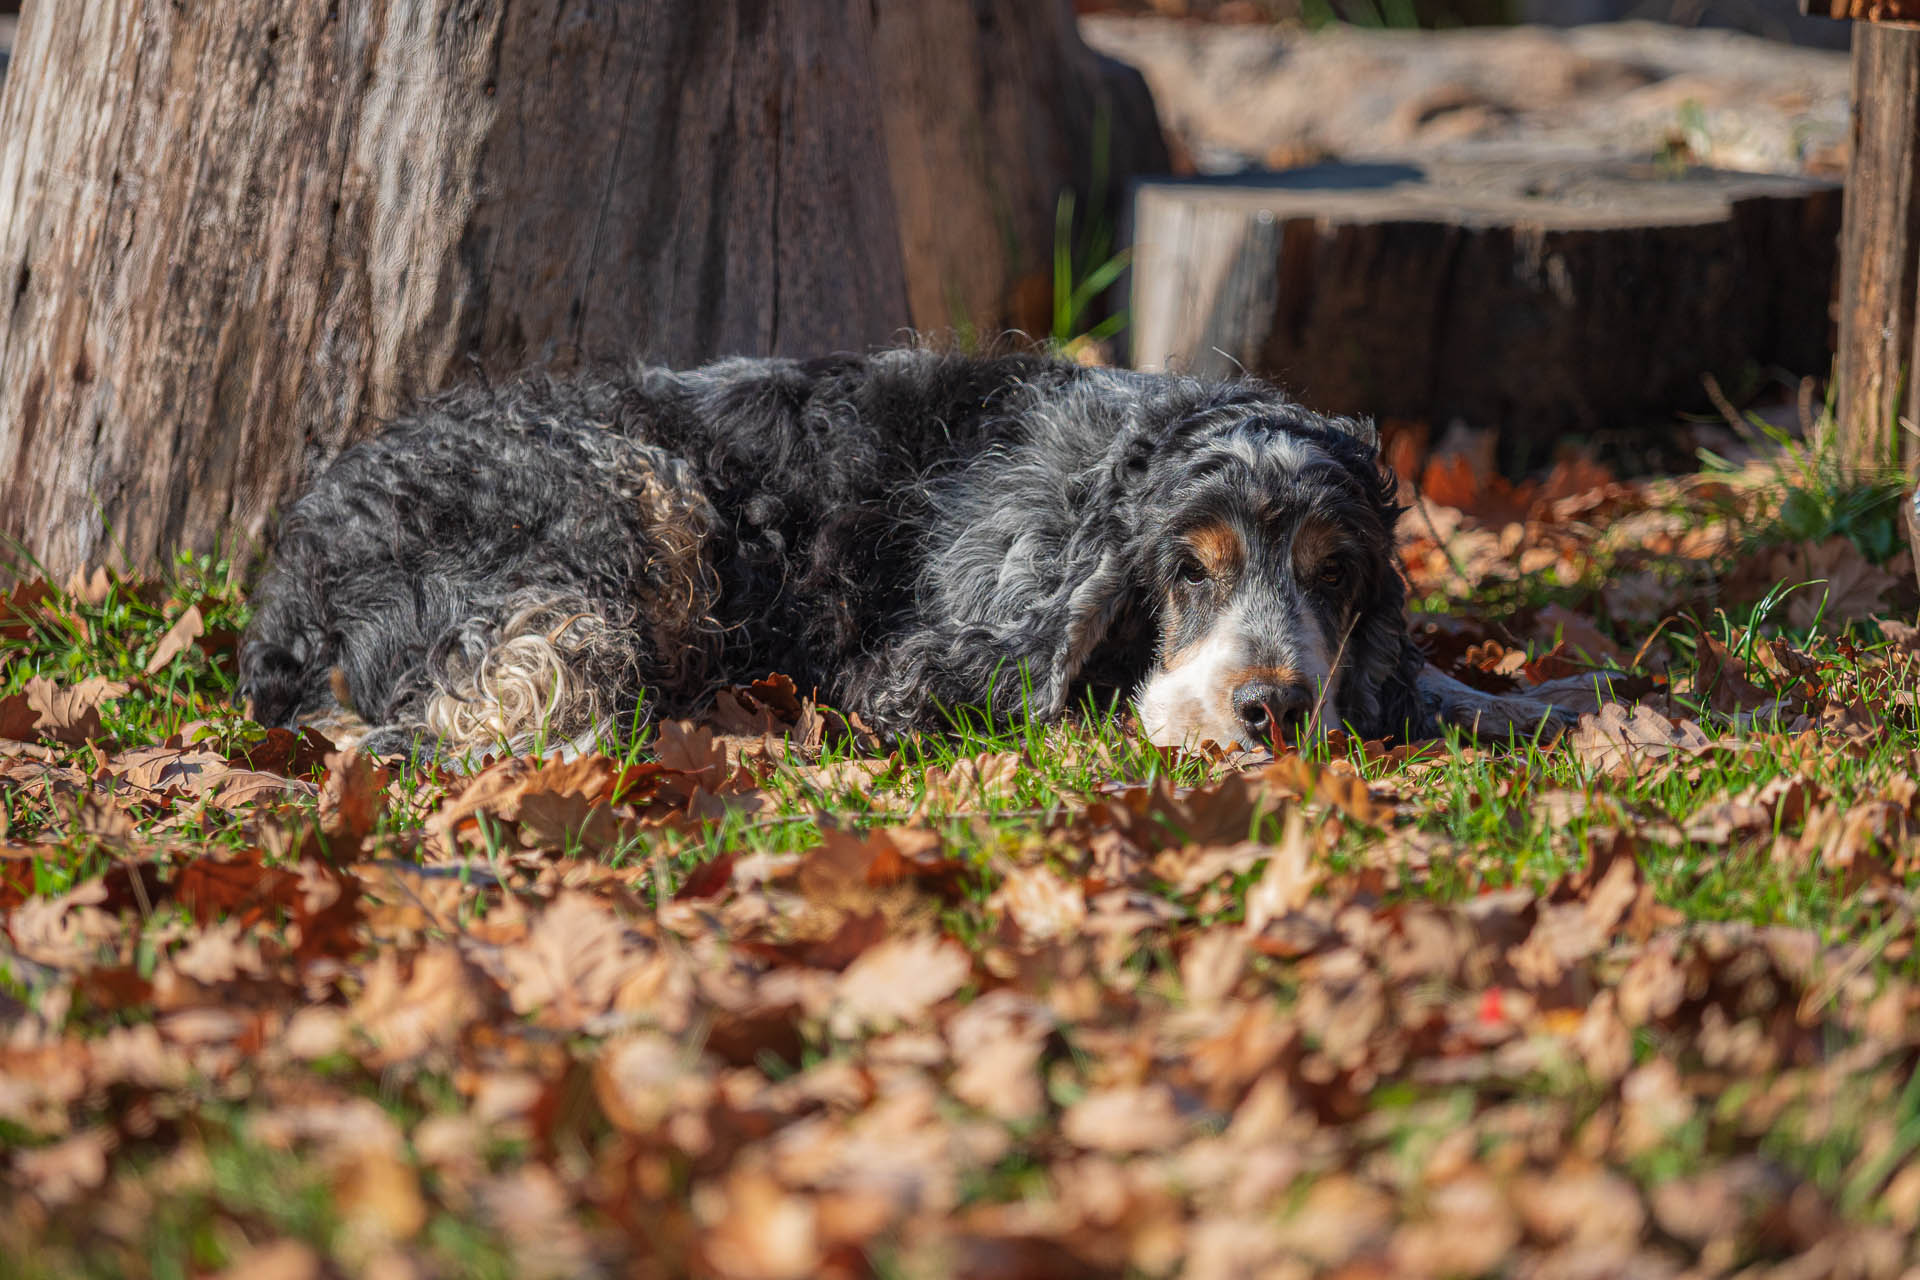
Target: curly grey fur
x: 905, y: 532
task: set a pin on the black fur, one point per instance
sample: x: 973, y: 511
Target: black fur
x: 902, y: 532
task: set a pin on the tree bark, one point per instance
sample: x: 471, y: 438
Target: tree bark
x: 995, y: 107
x: 233, y: 237
x: 1880, y: 247
x: 1536, y: 295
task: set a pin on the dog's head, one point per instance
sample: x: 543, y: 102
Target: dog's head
x: 1266, y: 539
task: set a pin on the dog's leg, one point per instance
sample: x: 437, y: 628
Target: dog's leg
x: 1490, y: 715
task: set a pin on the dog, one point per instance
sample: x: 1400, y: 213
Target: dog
x: 910, y: 533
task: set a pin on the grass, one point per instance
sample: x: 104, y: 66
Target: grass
x: 1483, y: 803
x: 196, y: 1184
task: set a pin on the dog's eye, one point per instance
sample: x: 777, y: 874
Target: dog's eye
x: 1193, y: 573
x: 1332, y: 574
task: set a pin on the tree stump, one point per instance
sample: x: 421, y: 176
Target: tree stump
x: 234, y: 236
x: 1538, y: 295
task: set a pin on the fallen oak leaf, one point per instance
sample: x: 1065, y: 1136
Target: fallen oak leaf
x: 1123, y: 1120
x: 88, y: 588
x: 896, y: 982
x: 244, y: 888
x: 243, y: 788
x: 1289, y: 880
x: 573, y: 962
x: 20, y: 609
x: 353, y: 798
x: 502, y: 789
x: 285, y: 751
x: 165, y: 768
x: 1044, y: 905
x: 1723, y: 679
x: 187, y: 628
x: 1339, y: 788
x: 68, y: 715
x: 1613, y: 740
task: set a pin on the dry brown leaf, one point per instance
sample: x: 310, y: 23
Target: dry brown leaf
x: 502, y: 789
x: 760, y: 1232
x: 969, y: 784
x: 1616, y: 741
x: 574, y: 961
x: 1290, y: 877
x: 377, y: 1194
x: 1468, y: 1229
x: 353, y: 797
x: 1125, y: 1120
x: 66, y: 715
x: 87, y: 588
x: 896, y: 982
x: 406, y: 1011
x: 67, y: 1170
x: 997, y: 1042
x: 1041, y: 903
x: 1212, y: 965
x: 187, y: 628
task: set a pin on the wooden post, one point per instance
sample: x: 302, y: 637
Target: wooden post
x: 1880, y: 248
x: 1880, y: 236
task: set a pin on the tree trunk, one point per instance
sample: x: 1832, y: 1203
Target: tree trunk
x: 1880, y: 246
x: 995, y: 107
x: 1537, y: 295
x: 234, y: 236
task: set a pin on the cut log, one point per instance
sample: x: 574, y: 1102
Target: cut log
x: 234, y: 236
x: 1537, y: 295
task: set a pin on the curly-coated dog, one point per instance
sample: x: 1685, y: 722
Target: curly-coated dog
x: 906, y: 532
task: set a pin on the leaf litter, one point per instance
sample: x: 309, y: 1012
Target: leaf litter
x: 754, y: 999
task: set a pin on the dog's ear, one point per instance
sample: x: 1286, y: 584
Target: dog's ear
x: 1012, y: 650
x: 1026, y: 568
x: 1385, y: 700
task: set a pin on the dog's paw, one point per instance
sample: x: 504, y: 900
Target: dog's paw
x: 405, y: 744
x: 1491, y: 716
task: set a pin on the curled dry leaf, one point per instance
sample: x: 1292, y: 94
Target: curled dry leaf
x: 187, y: 628
x: 353, y: 797
x: 1289, y: 879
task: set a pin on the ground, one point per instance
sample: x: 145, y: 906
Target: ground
x: 741, y: 998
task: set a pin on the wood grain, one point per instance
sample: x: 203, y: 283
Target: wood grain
x: 1880, y: 246
x: 233, y: 237
x: 1533, y: 294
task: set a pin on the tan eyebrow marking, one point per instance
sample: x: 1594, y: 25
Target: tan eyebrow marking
x: 1218, y: 547
x: 1315, y: 541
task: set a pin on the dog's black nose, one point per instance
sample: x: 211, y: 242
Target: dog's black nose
x: 1272, y: 710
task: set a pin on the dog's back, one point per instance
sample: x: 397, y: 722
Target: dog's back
x: 540, y: 553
